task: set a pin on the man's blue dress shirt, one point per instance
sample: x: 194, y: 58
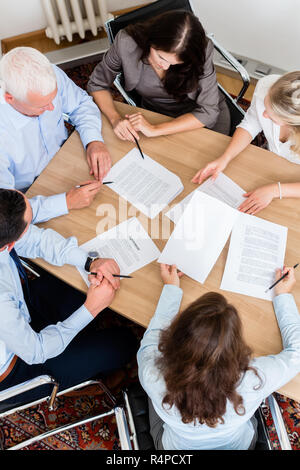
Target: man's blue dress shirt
x: 27, y: 144
x: 16, y: 335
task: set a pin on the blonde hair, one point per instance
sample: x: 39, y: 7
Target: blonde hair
x: 284, y: 97
x: 25, y: 69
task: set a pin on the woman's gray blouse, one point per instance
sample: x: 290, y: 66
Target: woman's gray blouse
x: 125, y: 56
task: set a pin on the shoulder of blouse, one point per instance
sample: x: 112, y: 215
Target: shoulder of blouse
x: 264, y: 84
x: 126, y: 45
x: 209, y: 47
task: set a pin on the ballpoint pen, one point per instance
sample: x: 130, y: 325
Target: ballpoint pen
x: 114, y: 275
x: 81, y: 185
x: 138, y: 146
x: 280, y: 279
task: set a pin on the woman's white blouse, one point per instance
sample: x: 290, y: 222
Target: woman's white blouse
x: 254, y: 122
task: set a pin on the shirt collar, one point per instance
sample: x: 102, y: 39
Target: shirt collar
x: 4, y: 256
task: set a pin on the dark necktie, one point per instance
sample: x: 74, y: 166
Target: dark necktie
x: 21, y: 270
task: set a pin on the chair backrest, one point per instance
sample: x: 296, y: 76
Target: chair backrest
x: 141, y: 14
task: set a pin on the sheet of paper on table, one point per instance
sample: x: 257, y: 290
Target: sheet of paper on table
x: 199, y: 236
x: 256, y: 250
x: 146, y: 184
x: 257, y: 246
x: 128, y: 244
x: 223, y: 188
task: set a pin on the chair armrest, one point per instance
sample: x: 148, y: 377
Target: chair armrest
x: 279, y: 423
x: 119, y: 87
x: 123, y: 430
x: 235, y: 64
x: 25, y: 386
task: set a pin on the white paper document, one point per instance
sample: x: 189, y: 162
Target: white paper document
x: 128, y: 244
x: 199, y: 236
x: 223, y: 189
x: 257, y: 249
x: 146, y: 184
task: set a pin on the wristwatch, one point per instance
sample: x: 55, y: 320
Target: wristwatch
x: 92, y: 255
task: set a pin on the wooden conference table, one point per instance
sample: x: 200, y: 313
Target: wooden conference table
x: 182, y: 154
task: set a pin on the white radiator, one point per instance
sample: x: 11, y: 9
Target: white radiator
x: 66, y: 17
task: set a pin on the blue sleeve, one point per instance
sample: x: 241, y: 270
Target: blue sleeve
x: 278, y: 369
x: 29, y: 345
x: 7, y: 179
x: 80, y: 107
x: 50, y: 246
x: 167, y: 308
x: 43, y: 208
x: 46, y: 208
x: 33, y: 347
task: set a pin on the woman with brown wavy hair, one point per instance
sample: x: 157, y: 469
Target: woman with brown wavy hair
x: 202, y: 383
x: 168, y: 62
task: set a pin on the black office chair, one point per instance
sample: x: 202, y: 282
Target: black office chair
x: 114, y: 25
x: 136, y: 402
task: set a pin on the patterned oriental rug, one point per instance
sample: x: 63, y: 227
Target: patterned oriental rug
x: 102, y: 434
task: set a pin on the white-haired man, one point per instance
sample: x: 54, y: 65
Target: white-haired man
x: 34, y: 97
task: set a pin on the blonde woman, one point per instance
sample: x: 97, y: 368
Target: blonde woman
x: 275, y: 110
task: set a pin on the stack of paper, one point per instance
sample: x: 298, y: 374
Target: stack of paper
x: 146, y: 184
x: 256, y: 249
x: 127, y: 243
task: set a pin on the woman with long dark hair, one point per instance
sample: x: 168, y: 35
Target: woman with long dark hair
x: 168, y: 62
x: 203, y: 385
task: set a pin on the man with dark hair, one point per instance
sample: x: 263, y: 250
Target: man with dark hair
x: 12, y: 224
x: 42, y: 333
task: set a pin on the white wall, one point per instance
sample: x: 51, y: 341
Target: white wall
x: 23, y: 16
x: 266, y: 30
x: 19, y: 16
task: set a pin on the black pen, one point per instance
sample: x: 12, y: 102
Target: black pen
x: 81, y: 185
x: 138, y: 146
x: 115, y: 275
x: 280, y: 279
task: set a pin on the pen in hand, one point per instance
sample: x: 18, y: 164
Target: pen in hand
x: 280, y: 279
x: 114, y: 275
x: 81, y: 185
x: 138, y: 146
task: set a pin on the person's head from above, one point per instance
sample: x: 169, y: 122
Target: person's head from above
x: 282, y: 105
x: 28, y: 81
x: 174, y: 42
x: 15, y: 217
x: 202, y: 358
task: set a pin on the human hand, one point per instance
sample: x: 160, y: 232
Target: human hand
x: 105, y: 268
x: 99, y: 297
x: 124, y: 130
x: 286, y: 285
x: 258, y: 199
x: 98, y: 159
x: 77, y: 198
x: 139, y: 123
x: 212, y: 169
x: 170, y: 275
